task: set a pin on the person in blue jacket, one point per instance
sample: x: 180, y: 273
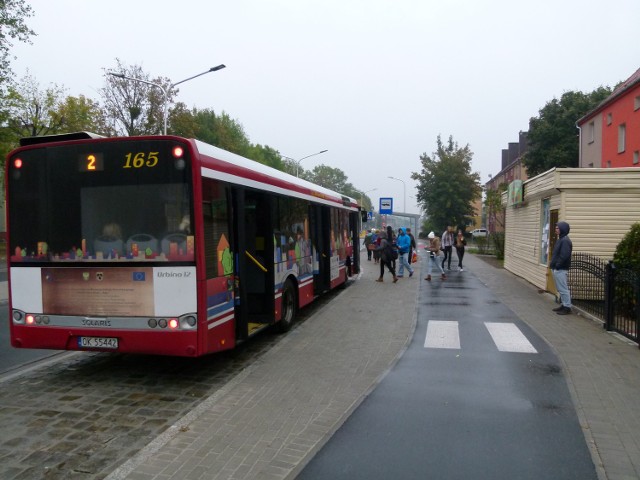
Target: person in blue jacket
x: 560, y: 265
x: 404, y: 245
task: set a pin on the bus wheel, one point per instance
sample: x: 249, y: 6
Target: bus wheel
x: 289, y: 307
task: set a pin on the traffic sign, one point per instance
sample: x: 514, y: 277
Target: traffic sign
x: 386, y: 206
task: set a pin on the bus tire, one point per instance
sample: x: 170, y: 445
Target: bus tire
x: 289, y: 307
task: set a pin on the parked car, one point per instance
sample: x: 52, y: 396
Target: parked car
x: 479, y: 232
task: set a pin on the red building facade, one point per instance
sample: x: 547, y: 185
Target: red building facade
x: 610, y: 133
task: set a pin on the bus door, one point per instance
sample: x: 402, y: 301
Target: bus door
x: 255, y: 261
x: 355, y: 226
x: 320, y: 219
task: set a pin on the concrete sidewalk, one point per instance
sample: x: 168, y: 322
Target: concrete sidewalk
x: 273, y: 417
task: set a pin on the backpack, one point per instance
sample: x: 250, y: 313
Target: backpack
x: 390, y: 252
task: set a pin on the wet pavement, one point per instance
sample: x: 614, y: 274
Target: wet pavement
x: 265, y: 413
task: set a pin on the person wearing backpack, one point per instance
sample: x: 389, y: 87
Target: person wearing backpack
x: 368, y: 243
x: 404, y: 245
x: 386, y: 257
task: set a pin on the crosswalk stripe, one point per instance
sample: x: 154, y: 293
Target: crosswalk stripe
x: 442, y: 334
x: 509, y: 338
x: 506, y: 336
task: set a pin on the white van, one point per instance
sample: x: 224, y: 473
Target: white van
x: 479, y: 232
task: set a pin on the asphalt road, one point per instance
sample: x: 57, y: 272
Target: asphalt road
x: 467, y: 411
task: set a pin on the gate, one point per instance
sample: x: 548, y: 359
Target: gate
x: 623, y: 301
x: 587, y: 281
x: 606, y: 292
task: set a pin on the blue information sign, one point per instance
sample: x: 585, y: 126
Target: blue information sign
x: 386, y: 206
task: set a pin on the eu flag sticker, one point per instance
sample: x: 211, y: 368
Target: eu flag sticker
x: 138, y: 276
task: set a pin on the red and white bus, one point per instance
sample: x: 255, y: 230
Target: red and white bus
x: 163, y: 245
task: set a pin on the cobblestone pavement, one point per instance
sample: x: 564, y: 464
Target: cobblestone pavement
x: 81, y: 417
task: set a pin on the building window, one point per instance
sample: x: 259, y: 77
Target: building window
x: 622, y: 137
x: 592, y: 132
x: 545, y: 233
x: 608, y: 163
x: 636, y: 157
x: 636, y: 103
x: 591, y: 165
x: 609, y: 118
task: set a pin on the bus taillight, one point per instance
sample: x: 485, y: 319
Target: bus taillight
x: 17, y: 163
x: 30, y: 319
x: 173, y: 323
x: 177, y: 152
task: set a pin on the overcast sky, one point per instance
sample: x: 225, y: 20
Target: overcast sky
x: 374, y: 82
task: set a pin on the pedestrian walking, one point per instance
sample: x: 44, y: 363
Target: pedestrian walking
x: 413, y: 245
x: 385, y: 257
x: 560, y: 265
x: 404, y: 245
x: 375, y: 240
x: 368, y: 244
x: 391, y: 237
x: 434, y: 252
x: 460, y: 244
x: 448, y: 239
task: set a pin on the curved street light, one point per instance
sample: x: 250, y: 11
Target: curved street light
x: 165, y: 91
x: 404, y: 187
x: 362, y: 194
x: 297, y: 162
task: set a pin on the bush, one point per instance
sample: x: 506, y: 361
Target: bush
x: 627, y: 253
x: 497, y: 238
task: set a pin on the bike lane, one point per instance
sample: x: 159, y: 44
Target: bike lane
x: 477, y: 394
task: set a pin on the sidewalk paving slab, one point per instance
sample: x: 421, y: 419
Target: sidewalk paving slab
x: 275, y: 415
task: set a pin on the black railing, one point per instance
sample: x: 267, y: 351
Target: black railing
x: 609, y: 293
x: 623, y: 308
x: 587, y: 282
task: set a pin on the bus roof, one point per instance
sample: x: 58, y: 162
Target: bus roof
x: 246, y: 163
x: 63, y: 137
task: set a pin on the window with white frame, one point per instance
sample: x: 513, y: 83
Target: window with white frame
x: 622, y: 137
x: 636, y: 103
x: 609, y: 118
x: 591, y: 132
x: 636, y: 157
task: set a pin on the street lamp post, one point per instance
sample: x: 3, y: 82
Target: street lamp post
x: 297, y: 162
x: 165, y: 91
x: 404, y: 187
x: 362, y: 194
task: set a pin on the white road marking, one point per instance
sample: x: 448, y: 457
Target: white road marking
x: 442, y: 334
x: 509, y: 338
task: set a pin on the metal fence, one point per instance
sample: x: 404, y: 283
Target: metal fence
x: 609, y: 293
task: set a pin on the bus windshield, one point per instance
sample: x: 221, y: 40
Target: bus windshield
x: 101, y: 201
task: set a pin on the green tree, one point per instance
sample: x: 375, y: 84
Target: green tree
x: 553, y: 137
x: 33, y: 111
x: 265, y: 155
x: 493, y: 205
x: 13, y: 26
x: 81, y: 114
x: 447, y: 187
x: 328, y: 177
x: 135, y: 107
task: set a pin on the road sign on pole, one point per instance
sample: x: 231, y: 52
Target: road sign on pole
x: 386, y: 206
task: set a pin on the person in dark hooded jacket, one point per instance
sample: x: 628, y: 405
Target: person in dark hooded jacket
x: 560, y: 265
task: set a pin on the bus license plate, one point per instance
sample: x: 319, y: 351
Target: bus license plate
x: 98, y: 342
